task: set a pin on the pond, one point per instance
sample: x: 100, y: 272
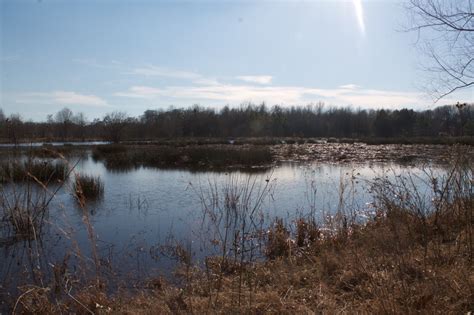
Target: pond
x: 133, y: 230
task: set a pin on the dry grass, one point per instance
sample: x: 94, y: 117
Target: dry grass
x: 410, y: 257
x: 45, y: 172
x: 23, y: 209
x: 88, y: 187
x: 380, y: 268
x: 120, y: 157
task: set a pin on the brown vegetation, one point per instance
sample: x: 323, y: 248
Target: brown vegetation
x: 117, y: 157
x: 361, y: 153
x: 44, y: 172
x: 385, y: 266
x: 410, y: 256
x: 88, y: 187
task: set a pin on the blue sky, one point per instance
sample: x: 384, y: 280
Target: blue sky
x: 100, y: 56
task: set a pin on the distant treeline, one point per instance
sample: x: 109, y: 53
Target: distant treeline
x: 246, y: 121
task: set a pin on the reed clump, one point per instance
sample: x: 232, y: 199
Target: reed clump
x: 44, y: 171
x: 88, y: 187
x: 24, y: 221
x: 23, y: 213
x: 279, y: 242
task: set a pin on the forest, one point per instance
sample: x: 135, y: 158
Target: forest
x: 247, y: 120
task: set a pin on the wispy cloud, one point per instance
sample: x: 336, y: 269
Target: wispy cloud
x: 188, y: 76
x: 141, y: 92
x: 77, y: 99
x: 349, y: 86
x: 260, y: 79
x: 285, y: 95
x: 112, y: 65
x: 65, y: 98
x: 196, y: 78
x: 257, y: 89
x: 151, y: 70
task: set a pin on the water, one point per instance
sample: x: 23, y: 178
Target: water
x: 146, y: 211
x: 55, y: 144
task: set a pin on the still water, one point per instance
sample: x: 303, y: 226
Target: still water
x: 54, y: 144
x: 144, y: 211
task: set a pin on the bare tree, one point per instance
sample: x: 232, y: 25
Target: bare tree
x: 64, y: 118
x: 115, y: 122
x: 80, y: 120
x: 14, y: 124
x: 446, y: 35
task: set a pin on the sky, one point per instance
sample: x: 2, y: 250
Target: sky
x: 98, y: 56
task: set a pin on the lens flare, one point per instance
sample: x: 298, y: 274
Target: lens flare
x: 359, y: 14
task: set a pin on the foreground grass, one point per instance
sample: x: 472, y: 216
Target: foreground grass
x: 412, y: 255
x: 378, y: 268
x: 394, y: 264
